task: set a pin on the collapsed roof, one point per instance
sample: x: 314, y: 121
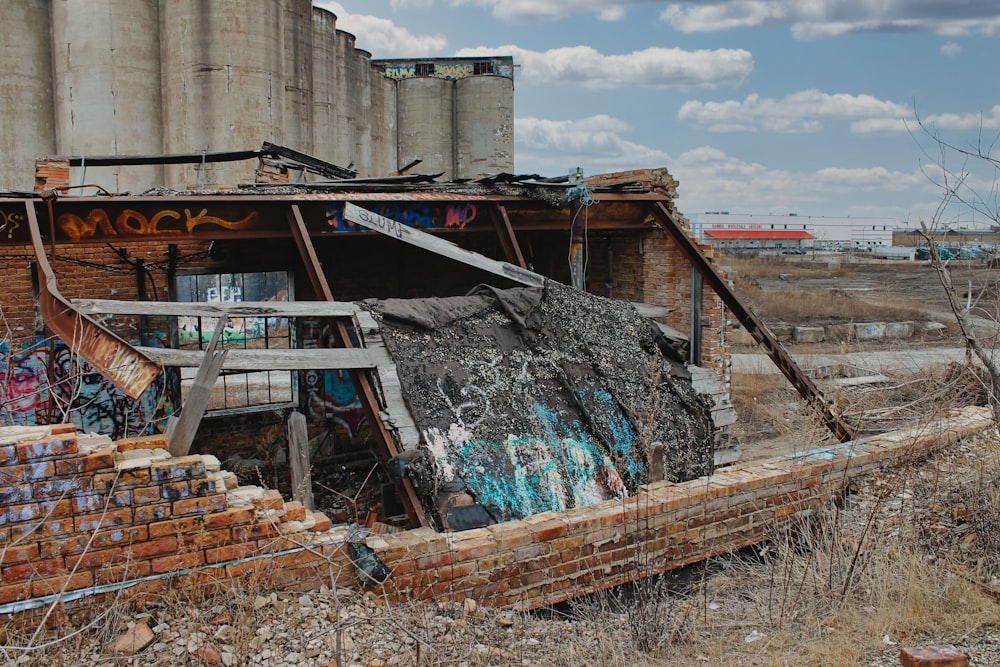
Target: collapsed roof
x: 536, y: 399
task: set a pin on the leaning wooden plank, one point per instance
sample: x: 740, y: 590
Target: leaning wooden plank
x: 218, y: 309
x: 396, y: 413
x: 268, y: 360
x: 443, y: 247
x: 183, y: 430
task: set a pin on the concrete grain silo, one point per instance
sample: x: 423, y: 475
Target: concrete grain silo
x: 484, y: 125
x: 424, y: 113
x: 362, y: 101
x: 343, y: 94
x: 27, y: 128
x: 223, y: 83
x: 106, y: 69
x: 383, y: 136
x: 324, y: 83
x: 297, y: 115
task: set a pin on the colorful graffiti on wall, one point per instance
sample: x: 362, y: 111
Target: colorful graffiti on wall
x: 129, y: 222
x: 524, y: 475
x: 419, y: 216
x: 48, y: 384
x: 448, y: 70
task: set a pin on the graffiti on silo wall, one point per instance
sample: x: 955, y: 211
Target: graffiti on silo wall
x: 447, y: 69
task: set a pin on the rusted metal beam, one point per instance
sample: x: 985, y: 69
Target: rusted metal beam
x: 362, y: 380
x: 507, y: 239
x: 806, y: 388
x: 127, y: 369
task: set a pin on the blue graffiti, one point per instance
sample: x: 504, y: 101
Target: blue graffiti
x: 48, y: 384
x: 526, y: 475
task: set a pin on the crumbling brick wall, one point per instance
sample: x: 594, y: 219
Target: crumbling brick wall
x: 83, y: 522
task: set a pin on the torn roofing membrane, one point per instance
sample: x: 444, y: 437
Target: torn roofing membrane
x: 537, y: 399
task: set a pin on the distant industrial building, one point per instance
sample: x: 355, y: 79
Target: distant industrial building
x: 733, y: 231
x: 144, y: 77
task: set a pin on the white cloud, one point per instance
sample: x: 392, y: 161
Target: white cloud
x: 410, y: 4
x: 974, y: 121
x: 652, y: 68
x: 817, y: 19
x: 382, y: 37
x: 951, y: 49
x: 799, y: 112
x: 535, y: 11
x: 594, y: 143
x: 711, y: 180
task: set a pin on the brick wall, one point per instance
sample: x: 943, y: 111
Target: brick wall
x: 83, y: 521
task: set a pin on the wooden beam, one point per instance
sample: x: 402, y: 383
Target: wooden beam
x: 507, y: 238
x: 775, y: 350
x: 180, y: 433
x: 362, y: 380
x: 235, y: 309
x: 274, y: 359
x: 439, y: 246
x: 313, y: 268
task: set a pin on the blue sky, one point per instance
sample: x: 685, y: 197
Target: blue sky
x: 764, y: 106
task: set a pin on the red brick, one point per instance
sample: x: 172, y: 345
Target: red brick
x: 175, y: 490
x: 14, y: 493
x: 253, y: 531
x: 203, y: 487
x: 27, y: 472
x: 95, y: 558
x: 8, y: 454
x: 143, y: 495
x: 50, y: 528
x: 177, y: 468
x: 322, y: 522
x: 933, y: 656
x: 18, y: 553
x: 181, y: 526
x: 96, y: 502
x: 147, y: 513
x: 177, y: 562
x: 272, y: 500
x: 230, y: 517
x: 158, y: 441
x: 61, y: 583
x: 152, y: 548
x: 109, y: 519
x: 206, y: 538
x: 202, y: 505
x: 109, y: 574
x: 48, y: 448
x: 35, y: 511
x: 230, y: 553
x: 102, y: 459
x: 294, y: 511
x: 124, y: 478
x: 15, y: 592
x: 34, y: 569
x: 60, y: 487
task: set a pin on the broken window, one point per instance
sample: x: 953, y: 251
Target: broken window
x: 485, y: 67
x: 239, y: 390
x: 425, y: 69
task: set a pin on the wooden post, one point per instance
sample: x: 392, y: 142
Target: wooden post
x: 298, y: 457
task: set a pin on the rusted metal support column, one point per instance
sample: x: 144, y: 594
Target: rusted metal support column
x: 127, y: 368
x: 803, y: 384
x: 577, y: 259
x: 362, y: 381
